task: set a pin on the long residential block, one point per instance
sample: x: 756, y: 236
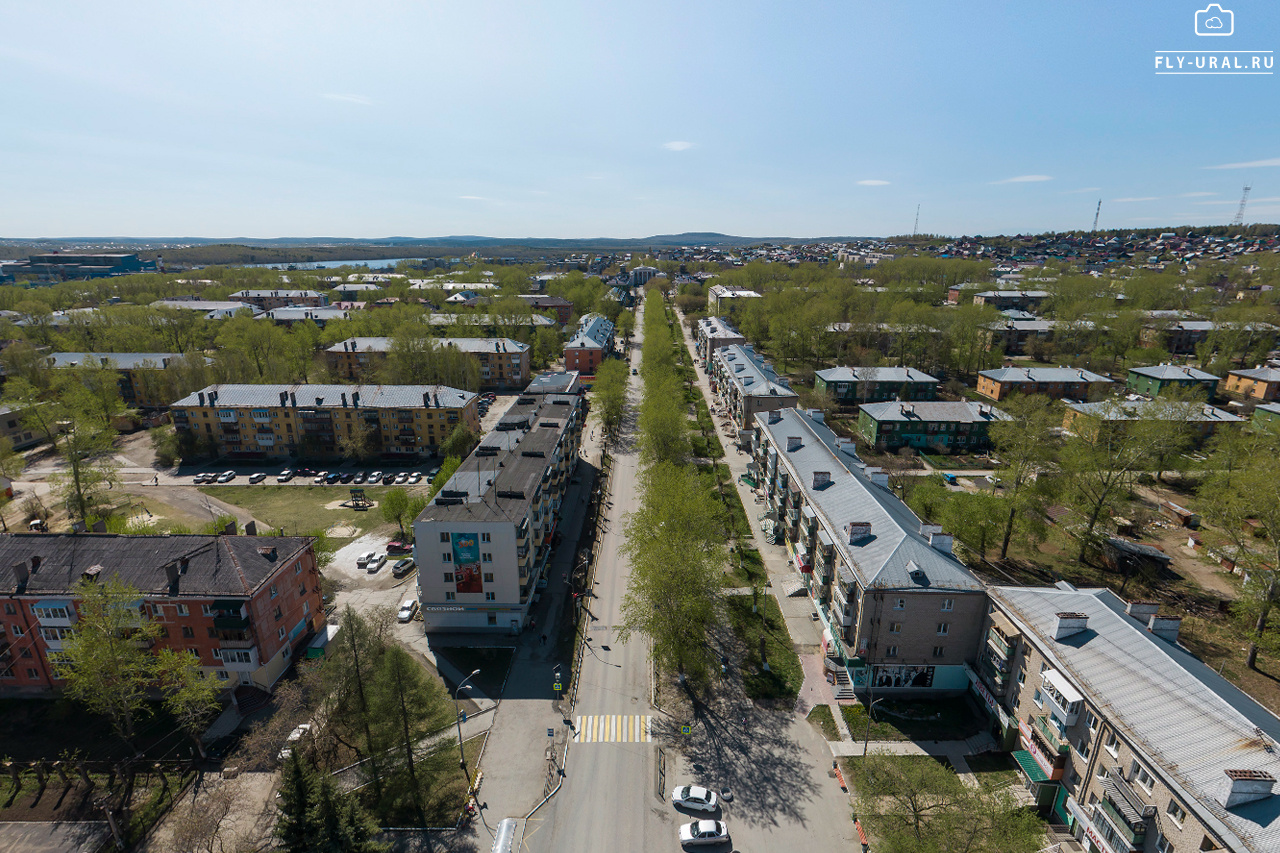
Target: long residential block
x: 504, y: 363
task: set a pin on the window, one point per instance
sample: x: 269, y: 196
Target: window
x: 306, y: 608
x: 18, y: 630
x: 195, y: 653
x: 891, y: 652
x: 297, y: 570
x: 1038, y: 699
x: 943, y: 628
x: 1090, y: 722
x: 206, y: 609
x: 164, y: 632
x: 274, y: 591
x: 449, y: 596
x: 157, y: 610
x: 486, y: 557
x: 9, y: 609
x: 280, y: 633
x: 448, y: 577
x: 900, y: 604
x: 484, y: 537
x: 26, y: 653
x: 217, y: 654
x: 488, y: 577
x: 278, y: 613
x: 939, y: 651
x: 1163, y: 845
x: 895, y: 627
x: 302, y: 590
x: 55, y: 634
x: 1083, y: 747
x: 444, y: 537
x: 32, y: 673
x: 1112, y: 744
x: 1022, y: 677
x: 948, y: 604
x: 188, y: 632
x: 493, y: 619
x: 489, y: 596
x: 213, y: 633
x: 222, y: 675
x: 182, y: 610
x: 446, y: 557
x: 1176, y: 812
x: 1143, y: 778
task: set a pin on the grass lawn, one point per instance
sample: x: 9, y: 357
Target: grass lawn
x: 822, y: 720
x: 855, y: 717
x: 785, y: 674
x: 493, y: 664
x: 746, y: 567
x: 301, y: 509
x: 955, y: 463
x: 993, y: 770
x: 917, y: 719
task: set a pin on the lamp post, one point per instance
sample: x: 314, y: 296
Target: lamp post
x: 867, y: 740
x: 457, y: 718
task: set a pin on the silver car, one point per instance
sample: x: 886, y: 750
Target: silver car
x: 694, y: 797
x: 704, y: 832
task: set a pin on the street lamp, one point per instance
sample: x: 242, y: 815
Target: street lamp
x: 867, y: 740
x: 457, y: 718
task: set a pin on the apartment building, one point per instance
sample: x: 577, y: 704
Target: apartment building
x: 1004, y: 300
x: 19, y: 435
x: 1060, y: 383
x: 400, y: 422
x: 243, y: 605
x: 937, y: 426
x: 1261, y: 383
x: 855, y: 385
x: 1266, y: 415
x: 589, y: 345
x: 901, y: 614
x: 266, y: 300
x: 482, y: 546
x: 747, y: 384
x: 1202, y: 419
x: 711, y: 333
x: 212, y: 309
x: 562, y: 308
x: 1121, y: 734
x: 292, y: 315
x: 1154, y: 379
x: 504, y: 363
x: 138, y: 372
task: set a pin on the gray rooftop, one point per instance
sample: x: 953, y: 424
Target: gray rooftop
x: 1192, y: 724
x: 1043, y: 374
x: 465, y: 344
x: 534, y: 320
x: 123, y: 360
x: 1173, y: 371
x: 217, y: 565
x: 1013, y: 294
x: 750, y: 373
x: 269, y: 294
x: 563, y: 382
x: 1260, y: 373
x: 302, y: 312
x: 1135, y: 410
x: 939, y: 411
x: 896, y: 555
x: 874, y: 374
x: 331, y: 396
x: 594, y: 331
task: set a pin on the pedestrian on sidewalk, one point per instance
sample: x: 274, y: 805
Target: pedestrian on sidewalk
x: 544, y: 639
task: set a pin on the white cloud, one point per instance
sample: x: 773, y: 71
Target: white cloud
x: 1024, y: 179
x: 1252, y: 164
x: 473, y: 198
x: 1195, y: 195
x: 1082, y: 190
x: 677, y: 146
x: 872, y: 182
x: 1136, y: 198
x: 348, y: 99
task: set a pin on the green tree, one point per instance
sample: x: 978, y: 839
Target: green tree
x: 447, y: 469
x: 190, y: 693
x: 609, y: 394
x: 360, y: 441
x: 975, y: 519
x: 293, y: 827
x: 459, y: 442
x: 1099, y: 464
x: 409, y: 707
x: 394, y: 506
x: 1025, y: 445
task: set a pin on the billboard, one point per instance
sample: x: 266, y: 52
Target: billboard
x: 466, y: 562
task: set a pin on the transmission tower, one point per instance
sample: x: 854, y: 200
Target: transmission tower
x: 1096, y: 214
x: 915, y: 229
x: 1244, y: 198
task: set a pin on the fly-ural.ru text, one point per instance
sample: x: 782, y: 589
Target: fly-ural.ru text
x: 1206, y: 62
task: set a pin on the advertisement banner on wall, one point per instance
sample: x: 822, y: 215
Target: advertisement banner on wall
x: 466, y: 562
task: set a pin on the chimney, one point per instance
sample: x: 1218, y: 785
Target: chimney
x: 793, y: 443
x: 927, y: 530
x: 344, y: 399
x: 293, y: 399
x: 319, y: 401
x: 857, y: 530
x: 821, y: 479
x: 775, y: 416
x: 20, y: 572
x: 230, y: 529
x: 1244, y: 786
x: 355, y: 399
x: 816, y: 416
x: 251, y: 528
x: 426, y: 399
x: 1142, y: 610
x: 1070, y: 624
x: 171, y: 569
x: 1165, y: 627
x: 941, y: 542
x: 284, y: 398
x: 201, y: 396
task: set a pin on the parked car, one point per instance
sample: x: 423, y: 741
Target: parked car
x: 257, y: 477
x: 402, y: 478
x: 292, y: 740
x: 198, y: 479
x: 284, y: 476
x: 334, y: 476
x: 348, y: 477
x: 363, y: 559
x: 388, y: 479
x: 431, y: 475
x: 402, y: 567
x: 378, y: 561
x: 305, y: 472
x: 397, y: 547
x: 226, y: 476
x: 374, y: 476
x: 704, y: 832
x: 319, y: 480
x: 415, y: 477
x: 694, y: 797
x: 633, y: 371
x: 408, y: 608
x: 359, y: 479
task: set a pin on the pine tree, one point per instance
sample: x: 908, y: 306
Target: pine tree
x: 293, y: 828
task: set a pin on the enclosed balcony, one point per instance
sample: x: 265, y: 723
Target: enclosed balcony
x: 1048, y: 732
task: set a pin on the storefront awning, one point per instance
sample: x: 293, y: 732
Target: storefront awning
x: 1029, y: 766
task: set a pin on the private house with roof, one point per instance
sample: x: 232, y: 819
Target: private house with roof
x: 711, y: 333
x: 1267, y: 415
x: 1202, y: 419
x: 274, y: 422
x: 936, y: 426
x: 850, y: 386
x: 589, y: 345
x: 504, y: 363
x: 1122, y: 736
x: 483, y: 544
x: 266, y: 300
x: 244, y: 605
x: 747, y: 384
x: 1060, y: 383
x: 1261, y: 383
x: 901, y: 615
x: 138, y: 372
x: 1154, y: 379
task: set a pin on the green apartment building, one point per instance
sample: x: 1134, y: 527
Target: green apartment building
x: 856, y: 385
x: 1153, y: 380
x: 941, y: 427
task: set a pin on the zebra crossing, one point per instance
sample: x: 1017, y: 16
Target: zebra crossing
x: 613, y: 728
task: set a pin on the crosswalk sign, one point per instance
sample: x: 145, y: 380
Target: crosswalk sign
x: 684, y: 730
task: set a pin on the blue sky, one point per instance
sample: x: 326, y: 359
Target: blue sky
x: 574, y: 119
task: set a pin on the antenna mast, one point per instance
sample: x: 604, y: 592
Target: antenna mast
x: 1244, y: 198
x: 915, y: 229
x: 1096, y: 214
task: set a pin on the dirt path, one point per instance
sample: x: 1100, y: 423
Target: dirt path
x: 1172, y: 539
x: 194, y: 503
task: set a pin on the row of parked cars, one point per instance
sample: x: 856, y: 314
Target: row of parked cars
x: 327, y: 478
x: 699, y: 832
x: 371, y: 561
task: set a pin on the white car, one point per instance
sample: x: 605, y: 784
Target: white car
x: 402, y: 478
x: 375, y: 563
x: 257, y: 478
x: 363, y: 559
x: 226, y: 476
x: 284, y: 476
x: 704, y: 832
x: 694, y: 797
x: 294, y: 736
x: 319, y: 480
x: 408, y: 607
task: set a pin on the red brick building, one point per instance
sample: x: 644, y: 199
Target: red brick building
x: 588, y: 347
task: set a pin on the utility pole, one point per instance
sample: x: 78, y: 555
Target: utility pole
x: 915, y: 229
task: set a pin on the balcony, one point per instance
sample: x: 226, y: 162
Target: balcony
x: 997, y: 679
x: 998, y: 642
x: 1049, y: 732
x: 240, y: 641
x: 1135, y: 837
x: 231, y: 623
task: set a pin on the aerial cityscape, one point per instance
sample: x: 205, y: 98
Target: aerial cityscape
x: 647, y: 427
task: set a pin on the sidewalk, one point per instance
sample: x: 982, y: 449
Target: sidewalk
x: 953, y: 750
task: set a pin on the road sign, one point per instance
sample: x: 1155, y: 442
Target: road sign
x: 551, y: 732
x: 684, y: 730
x: 556, y: 687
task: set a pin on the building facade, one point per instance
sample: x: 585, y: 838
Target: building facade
x: 243, y: 605
x: 562, y: 308
x: 137, y: 371
x: 747, y: 384
x: 504, y: 363
x: 901, y: 614
x: 1060, y: 383
x: 20, y: 435
x: 277, y: 422
x: 856, y: 385
x: 1153, y: 380
x: 1261, y: 384
x: 941, y: 427
x: 711, y: 333
x: 483, y: 544
x: 1202, y: 419
x: 266, y: 300
x: 1004, y: 300
x: 589, y: 345
x: 722, y: 299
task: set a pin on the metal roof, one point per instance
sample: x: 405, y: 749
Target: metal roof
x: 1173, y: 371
x: 594, y: 331
x: 874, y: 374
x: 122, y: 360
x: 1190, y: 724
x: 376, y: 344
x: 330, y: 396
x: 1134, y: 410
x: 756, y: 378
x: 1260, y: 373
x: 964, y: 412
x: 1043, y: 374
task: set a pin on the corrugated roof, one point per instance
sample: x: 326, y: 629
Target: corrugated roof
x: 1134, y: 410
x: 330, y: 396
x: 594, y: 331
x: 764, y: 382
x: 963, y: 411
x: 874, y: 374
x: 1261, y: 374
x: 122, y: 360
x: 376, y: 344
x: 1191, y: 723
x: 1173, y: 371
x: 1043, y: 374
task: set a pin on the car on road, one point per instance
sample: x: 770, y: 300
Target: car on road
x: 319, y: 480
x: 359, y: 479
x: 704, y: 832
x: 257, y: 477
x: 363, y: 559
x: 292, y: 740
x: 402, y: 567
x: 284, y: 476
x: 408, y: 608
x: 395, y: 546
x: 378, y: 561
x: 226, y: 476
x: 415, y: 477
x: 374, y: 477
x: 388, y: 479
x: 694, y: 797
x: 402, y: 478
